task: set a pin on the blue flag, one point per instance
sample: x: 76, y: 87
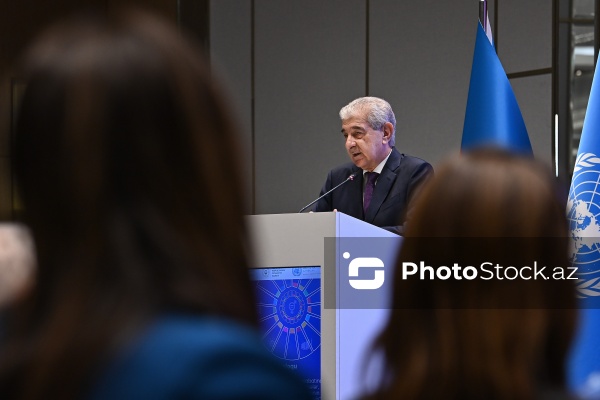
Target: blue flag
x: 583, y: 213
x: 493, y: 117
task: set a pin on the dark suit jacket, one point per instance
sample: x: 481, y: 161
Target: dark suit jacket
x: 396, y: 186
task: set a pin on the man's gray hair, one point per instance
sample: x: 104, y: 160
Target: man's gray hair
x: 375, y: 110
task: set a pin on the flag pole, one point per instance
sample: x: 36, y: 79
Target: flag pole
x: 483, y: 14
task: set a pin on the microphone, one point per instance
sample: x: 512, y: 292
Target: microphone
x: 351, y: 177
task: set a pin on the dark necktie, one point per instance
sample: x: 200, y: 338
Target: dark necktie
x: 369, y: 187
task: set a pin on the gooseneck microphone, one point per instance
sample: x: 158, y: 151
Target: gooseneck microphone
x: 351, y: 177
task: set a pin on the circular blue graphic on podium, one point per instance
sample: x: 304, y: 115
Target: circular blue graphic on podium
x: 290, y: 316
x: 291, y: 307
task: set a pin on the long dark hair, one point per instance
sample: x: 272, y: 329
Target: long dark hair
x: 128, y: 169
x: 470, y: 339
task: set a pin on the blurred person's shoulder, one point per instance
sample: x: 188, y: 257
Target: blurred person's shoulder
x: 554, y: 393
x: 198, y: 357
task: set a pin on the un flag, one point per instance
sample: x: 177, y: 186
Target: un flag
x: 583, y: 212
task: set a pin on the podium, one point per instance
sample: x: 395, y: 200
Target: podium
x: 355, y: 260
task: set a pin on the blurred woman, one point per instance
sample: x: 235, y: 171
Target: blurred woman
x: 467, y: 337
x: 128, y: 168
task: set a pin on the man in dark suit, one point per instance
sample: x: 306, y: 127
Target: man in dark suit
x: 385, y: 181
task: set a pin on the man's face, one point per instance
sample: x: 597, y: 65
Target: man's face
x: 365, y: 146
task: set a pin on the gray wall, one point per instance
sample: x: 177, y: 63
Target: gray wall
x: 290, y: 65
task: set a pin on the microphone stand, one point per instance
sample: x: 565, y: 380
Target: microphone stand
x: 351, y: 177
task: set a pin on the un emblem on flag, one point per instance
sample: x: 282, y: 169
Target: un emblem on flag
x: 583, y: 213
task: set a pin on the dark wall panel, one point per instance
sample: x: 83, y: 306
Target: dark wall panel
x: 525, y: 34
x: 231, y: 58
x: 420, y: 61
x: 309, y: 62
